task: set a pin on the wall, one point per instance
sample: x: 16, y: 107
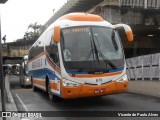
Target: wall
x: 17, y: 49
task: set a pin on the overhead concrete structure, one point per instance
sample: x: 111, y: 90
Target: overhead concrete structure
x: 142, y: 15
x: 89, y: 5
x: 73, y: 6
x: 147, y: 4
x: 3, y: 1
x: 16, y: 49
x: 144, y: 18
x: 12, y: 60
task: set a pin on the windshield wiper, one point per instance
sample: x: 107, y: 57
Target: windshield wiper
x: 93, y: 51
x: 107, y: 60
x: 97, y: 52
x: 104, y: 58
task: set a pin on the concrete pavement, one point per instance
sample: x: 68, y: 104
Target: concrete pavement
x: 10, y: 104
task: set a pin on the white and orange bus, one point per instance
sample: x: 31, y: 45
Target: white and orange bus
x: 79, y: 55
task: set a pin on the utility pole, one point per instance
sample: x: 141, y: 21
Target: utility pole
x: 1, y: 70
x: 1, y: 76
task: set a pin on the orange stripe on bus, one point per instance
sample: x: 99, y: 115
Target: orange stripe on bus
x: 95, y: 75
x: 39, y: 82
x: 89, y: 90
x: 54, y: 86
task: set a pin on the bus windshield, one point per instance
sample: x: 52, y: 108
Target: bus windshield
x: 91, y: 49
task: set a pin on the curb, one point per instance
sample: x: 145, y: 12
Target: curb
x: 143, y: 94
x: 11, y: 107
x: 10, y: 103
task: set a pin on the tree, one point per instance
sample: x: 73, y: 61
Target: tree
x: 33, y: 31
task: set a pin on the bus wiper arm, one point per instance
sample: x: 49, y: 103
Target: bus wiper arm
x: 96, y: 51
x: 107, y: 60
x: 93, y: 51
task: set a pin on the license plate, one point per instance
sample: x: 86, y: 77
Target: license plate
x: 96, y: 91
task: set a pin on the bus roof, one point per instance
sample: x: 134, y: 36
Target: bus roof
x: 81, y: 17
x: 77, y: 19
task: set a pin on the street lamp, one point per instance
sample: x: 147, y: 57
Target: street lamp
x: 1, y: 69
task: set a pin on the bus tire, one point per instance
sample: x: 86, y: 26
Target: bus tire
x: 21, y: 83
x: 34, y: 88
x: 52, y: 97
x: 22, y: 86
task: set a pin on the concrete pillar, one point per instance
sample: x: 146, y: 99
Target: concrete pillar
x: 135, y: 46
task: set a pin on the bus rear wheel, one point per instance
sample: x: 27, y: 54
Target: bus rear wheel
x: 50, y: 94
x: 34, y: 88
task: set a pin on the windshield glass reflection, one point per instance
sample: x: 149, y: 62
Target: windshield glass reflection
x: 91, y: 49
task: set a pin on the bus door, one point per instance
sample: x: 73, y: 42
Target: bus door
x: 53, y: 60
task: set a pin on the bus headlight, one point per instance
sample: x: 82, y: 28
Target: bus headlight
x: 27, y: 79
x: 69, y: 83
x: 123, y: 78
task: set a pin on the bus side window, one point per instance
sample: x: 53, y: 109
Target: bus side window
x: 37, y: 48
x: 52, y: 48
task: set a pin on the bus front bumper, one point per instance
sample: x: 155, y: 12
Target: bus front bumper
x: 85, y: 90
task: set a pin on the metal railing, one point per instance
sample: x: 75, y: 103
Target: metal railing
x: 147, y: 4
x: 145, y: 67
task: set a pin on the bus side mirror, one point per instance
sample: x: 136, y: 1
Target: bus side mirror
x: 127, y: 29
x: 56, y: 37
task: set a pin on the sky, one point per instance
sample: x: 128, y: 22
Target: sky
x: 17, y: 15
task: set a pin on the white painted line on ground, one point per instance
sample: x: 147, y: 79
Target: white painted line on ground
x: 24, y: 106
x: 25, y: 119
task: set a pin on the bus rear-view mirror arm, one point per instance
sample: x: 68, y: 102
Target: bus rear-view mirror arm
x: 128, y: 31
